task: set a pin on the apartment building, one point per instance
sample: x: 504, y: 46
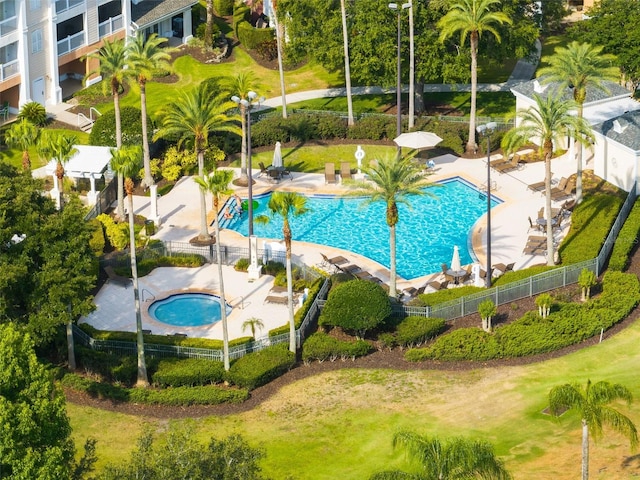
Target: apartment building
x: 44, y: 42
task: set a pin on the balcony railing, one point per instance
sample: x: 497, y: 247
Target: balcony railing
x: 8, y: 70
x: 9, y: 25
x: 63, y: 5
x: 70, y: 43
x: 111, y: 25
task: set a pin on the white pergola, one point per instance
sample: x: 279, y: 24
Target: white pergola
x: 89, y: 162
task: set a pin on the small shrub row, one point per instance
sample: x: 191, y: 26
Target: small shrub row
x: 117, y: 233
x: 445, y: 295
x: 97, y: 241
x: 626, y: 241
x: 259, y: 368
x: 250, y: 37
x: 114, y: 368
x: 321, y: 347
x: 412, y: 331
x: 188, y: 372
x: 184, y: 396
x: 177, y: 260
x: 567, y: 324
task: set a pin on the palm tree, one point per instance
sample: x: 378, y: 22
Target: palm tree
x: 217, y: 184
x: 591, y: 403
x: 126, y: 161
x: 241, y: 85
x: 455, y: 459
x: 208, y: 30
x: 392, y: 181
x: 192, y: 118
x: 61, y: 147
x: 144, y: 58
x: 279, y: 34
x: 580, y: 66
x: 472, y: 17
x: 113, y: 58
x: 549, y: 121
x: 23, y: 135
x: 347, y: 68
x: 285, y: 204
x: 252, y: 324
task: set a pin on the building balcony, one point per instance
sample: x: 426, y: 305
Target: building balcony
x: 8, y: 70
x: 72, y: 42
x: 64, y: 5
x: 8, y: 25
x: 110, y: 26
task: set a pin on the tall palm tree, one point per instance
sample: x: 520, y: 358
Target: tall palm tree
x: 549, y: 121
x: 591, y: 404
x: 279, y: 34
x: 580, y: 66
x: 145, y: 56
x: 208, y: 30
x: 127, y: 161
x: 113, y: 58
x: 60, y: 146
x: 472, y: 18
x: 286, y: 204
x: 455, y: 459
x: 347, y: 68
x: 217, y: 184
x: 241, y: 85
x: 23, y: 135
x: 392, y: 181
x: 192, y: 118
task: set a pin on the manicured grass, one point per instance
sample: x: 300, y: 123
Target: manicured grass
x: 495, y: 72
x: 549, y: 45
x: 350, y: 416
x: 14, y: 156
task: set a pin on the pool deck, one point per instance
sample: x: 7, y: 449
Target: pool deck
x: 180, y: 221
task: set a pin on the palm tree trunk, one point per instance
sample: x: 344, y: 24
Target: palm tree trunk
x: 579, y: 161
x: 148, y: 178
x: 60, y: 177
x: 208, y: 31
x: 120, y: 180
x: 143, y: 380
x: 585, y: 450
x: 204, y: 228
x: 223, y: 302
x: 347, y: 68
x: 471, y: 143
x: 412, y: 70
x: 286, y: 229
x: 392, y: 257
x: 279, y: 34
x: 71, y: 354
x: 243, y: 149
x: 547, y: 186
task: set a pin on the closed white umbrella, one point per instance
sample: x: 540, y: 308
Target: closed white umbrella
x: 417, y: 140
x: 277, y: 156
x: 455, y: 261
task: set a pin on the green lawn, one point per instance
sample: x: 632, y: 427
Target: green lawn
x: 340, y: 424
x: 549, y: 45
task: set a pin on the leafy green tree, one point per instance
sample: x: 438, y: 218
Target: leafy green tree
x: 472, y: 18
x: 285, y: 205
x: 181, y: 456
x: 61, y: 147
x: 128, y: 160
x: 581, y: 67
x: 615, y: 24
x: 23, y: 135
x: 112, y: 58
x: 392, y: 181
x: 192, y: 118
x: 591, y: 403
x: 550, y: 121
x: 36, y: 434
x: 217, y: 184
x: 455, y: 459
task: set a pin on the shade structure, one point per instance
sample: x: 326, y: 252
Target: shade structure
x: 277, y: 156
x: 455, y: 261
x: 417, y: 140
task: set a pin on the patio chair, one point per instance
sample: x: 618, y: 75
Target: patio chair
x: 504, y: 268
x: 513, y: 164
x: 274, y: 175
x: 329, y: 172
x: 532, y: 225
x: 286, y: 173
x: 345, y: 171
x: 537, y: 186
x: 566, y: 192
x: 349, y: 268
x: 117, y: 279
x: 333, y: 261
x: 438, y: 285
x: 4, y: 110
x: 263, y: 169
x: 562, y: 184
x: 277, y: 299
x: 278, y: 289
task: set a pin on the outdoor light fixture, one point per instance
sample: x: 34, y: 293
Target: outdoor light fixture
x: 399, y: 7
x: 487, y: 130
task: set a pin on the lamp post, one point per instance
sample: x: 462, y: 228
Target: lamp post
x: 487, y: 130
x: 398, y: 8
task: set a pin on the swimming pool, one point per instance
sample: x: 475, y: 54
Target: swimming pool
x: 187, y: 309
x: 425, y: 234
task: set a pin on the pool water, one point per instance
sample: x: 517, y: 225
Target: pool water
x: 187, y: 309
x: 425, y: 234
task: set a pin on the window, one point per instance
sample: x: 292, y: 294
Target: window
x: 36, y: 41
x: 34, y: 4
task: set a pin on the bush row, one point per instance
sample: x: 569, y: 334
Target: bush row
x: 321, y: 347
x: 626, y: 241
x: 252, y: 37
x: 567, y: 324
x: 412, y: 331
x: 259, y: 368
x: 188, y: 372
x: 314, y: 288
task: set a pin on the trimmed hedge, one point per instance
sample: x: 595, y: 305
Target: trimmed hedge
x: 115, y: 368
x: 415, y: 330
x: 177, y: 372
x: 321, y: 347
x: 259, y: 368
x: 251, y: 37
x: 626, y: 241
x: 103, y: 131
x: 223, y: 7
x: 445, y: 295
x: 566, y: 325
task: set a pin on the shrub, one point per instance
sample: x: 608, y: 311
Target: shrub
x: 314, y: 288
x: 321, y: 347
x: 268, y: 131
x: 331, y: 126
x: 175, y: 372
x: 372, y: 127
x: 259, y: 368
x: 114, y: 368
x: 177, y: 162
x: 626, y: 241
x: 223, y: 7
x: 273, y: 268
x: 461, y: 344
x: 117, y: 233
x: 445, y: 295
x: 34, y: 113
x: 97, y: 241
x: 356, y: 306
x: 103, y: 131
x: 415, y: 330
x: 268, y: 50
x: 184, y: 396
x: 242, y: 265
x: 251, y: 37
